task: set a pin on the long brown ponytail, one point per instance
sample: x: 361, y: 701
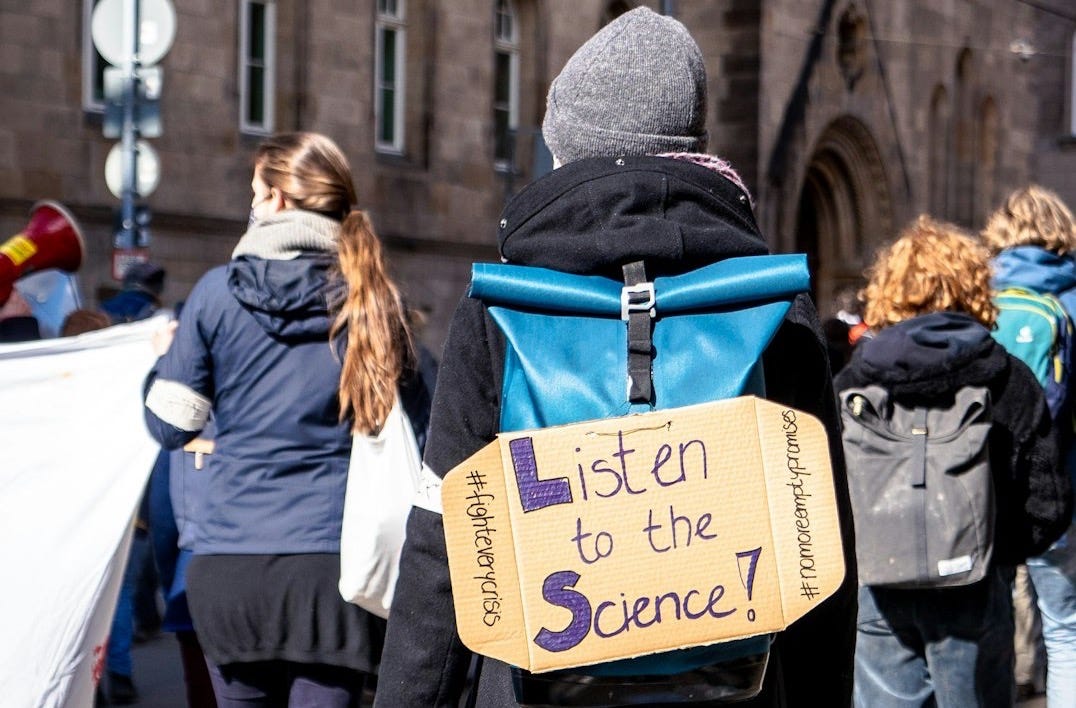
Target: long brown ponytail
x: 313, y: 174
x: 379, y: 345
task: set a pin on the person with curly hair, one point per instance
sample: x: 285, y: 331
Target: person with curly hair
x: 1033, y: 238
x: 928, y: 303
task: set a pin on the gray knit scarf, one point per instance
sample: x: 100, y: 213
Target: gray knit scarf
x: 286, y: 234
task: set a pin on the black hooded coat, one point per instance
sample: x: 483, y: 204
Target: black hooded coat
x: 591, y: 217
x: 928, y: 358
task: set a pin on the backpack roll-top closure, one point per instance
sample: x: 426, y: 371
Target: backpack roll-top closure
x: 567, y: 355
x: 726, y: 283
x: 870, y: 406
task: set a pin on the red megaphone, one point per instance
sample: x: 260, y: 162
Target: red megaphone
x: 51, y: 239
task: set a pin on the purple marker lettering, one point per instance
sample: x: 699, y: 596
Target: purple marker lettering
x: 535, y: 493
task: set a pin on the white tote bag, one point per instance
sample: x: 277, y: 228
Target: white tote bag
x: 381, y: 483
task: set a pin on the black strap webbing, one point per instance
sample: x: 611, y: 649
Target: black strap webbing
x: 919, y: 452
x: 919, y: 468
x: 640, y: 342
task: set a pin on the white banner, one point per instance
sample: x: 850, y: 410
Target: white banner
x: 74, y: 458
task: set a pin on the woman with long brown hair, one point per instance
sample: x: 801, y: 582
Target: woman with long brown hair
x: 298, y: 342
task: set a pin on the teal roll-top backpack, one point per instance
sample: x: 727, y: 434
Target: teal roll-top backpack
x: 588, y: 347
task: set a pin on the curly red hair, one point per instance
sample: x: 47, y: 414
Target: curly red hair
x: 933, y: 266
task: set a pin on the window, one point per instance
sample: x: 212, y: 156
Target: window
x: 389, y: 76
x: 93, y: 64
x: 1072, y: 87
x: 987, y: 143
x: 964, y: 119
x: 505, y: 83
x: 938, y: 166
x: 257, y: 45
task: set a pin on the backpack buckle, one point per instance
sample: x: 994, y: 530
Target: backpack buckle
x: 637, y: 298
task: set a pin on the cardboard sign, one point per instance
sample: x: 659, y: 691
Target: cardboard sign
x: 610, y: 539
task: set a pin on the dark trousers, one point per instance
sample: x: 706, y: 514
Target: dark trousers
x: 949, y: 647
x: 195, y: 671
x: 286, y: 684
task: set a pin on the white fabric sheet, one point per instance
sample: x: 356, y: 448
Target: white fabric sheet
x: 74, y: 458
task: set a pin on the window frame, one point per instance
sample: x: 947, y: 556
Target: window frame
x: 93, y: 64
x: 246, y: 125
x: 395, y: 22
x: 939, y: 151
x: 509, y: 46
x: 1072, y: 86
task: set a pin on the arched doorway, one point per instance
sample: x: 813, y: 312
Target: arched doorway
x: 844, y: 210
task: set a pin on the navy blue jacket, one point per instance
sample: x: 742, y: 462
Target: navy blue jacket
x: 130, y: 306
x: 253, y: 342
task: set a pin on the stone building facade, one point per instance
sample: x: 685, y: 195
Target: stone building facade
x: 873, y: 112
x: 845, y: 117
x: 1053, y: 66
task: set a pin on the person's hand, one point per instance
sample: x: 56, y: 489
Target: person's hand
x: 16, y: 306
x: 162, y: 338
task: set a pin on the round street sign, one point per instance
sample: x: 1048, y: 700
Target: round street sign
x: 157, y: 20
x: 149, y: 169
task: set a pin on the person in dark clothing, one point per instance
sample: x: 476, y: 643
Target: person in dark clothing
x: 1033, y: 238
x: 300, y: 341
x: 17, y: 321
x: 177, y: 486
x: 625, y: 121
x: 838, y: 347
x: 140, y: 297
x: 136, y: 610
x: 929, y: 303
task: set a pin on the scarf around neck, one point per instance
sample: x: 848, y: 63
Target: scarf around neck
x: 712, y: 162
x: 287, y: 234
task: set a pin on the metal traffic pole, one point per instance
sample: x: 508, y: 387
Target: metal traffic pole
x: 131, y: 22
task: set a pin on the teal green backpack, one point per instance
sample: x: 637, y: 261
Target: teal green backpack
x: 1035, y: 329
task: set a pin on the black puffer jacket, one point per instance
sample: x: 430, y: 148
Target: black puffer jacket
x: 928, y: 358
x: 591, y: 217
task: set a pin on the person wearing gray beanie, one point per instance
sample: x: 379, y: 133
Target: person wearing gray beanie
x: 634, y: 198
x: 637, y: 87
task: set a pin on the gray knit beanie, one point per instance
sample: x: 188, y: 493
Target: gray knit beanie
x: 637, y: 87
